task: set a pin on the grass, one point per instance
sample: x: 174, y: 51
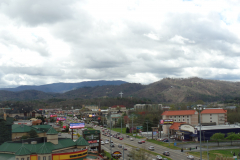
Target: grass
x: 214, y: 153
x: 165, y: 144
x: 150, y: 152
x: 108, y: 155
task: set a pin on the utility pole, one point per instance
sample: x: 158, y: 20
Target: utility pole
x: 110, y: 133
x: 132, y: 123
x: 121, y: 125
x: 147, y: 128
x: 207, y: 151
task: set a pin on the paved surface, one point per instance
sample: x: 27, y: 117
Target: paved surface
x: 174, y: 154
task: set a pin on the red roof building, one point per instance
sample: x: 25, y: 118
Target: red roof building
x: 180, y: 116
x: 211, y: 115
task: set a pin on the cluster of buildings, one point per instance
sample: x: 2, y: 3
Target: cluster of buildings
x: 185, y: 124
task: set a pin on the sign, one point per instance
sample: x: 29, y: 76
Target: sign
x: 76, y: 125
x: 154, y: 133
x: 53, y: 115
x: 134, y: 134
x: 61, y: 118
x: 117, y: 154
x: 139, y: 127
x: 93, y: 145
x: 166, y: 121
x: 92, y: 137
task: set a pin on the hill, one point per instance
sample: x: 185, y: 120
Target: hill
x: 167, y: 90
x: 63, y: 87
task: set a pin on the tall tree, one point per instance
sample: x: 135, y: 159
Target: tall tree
x: 217, y: 137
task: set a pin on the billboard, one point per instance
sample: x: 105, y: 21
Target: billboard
x: 166, y: 121
x: 139, y: 127
x: 76, y: 125
x: 61, y: 118
x: 53, y: 115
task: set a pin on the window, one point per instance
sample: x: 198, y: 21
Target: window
x: 179, y: 116
x: 183, y: 116
x: 210, y: 121
x: 170, y: 117
x: 187, y: 116
x: 28, y: 158
x: 210, y: 117
x: 179, y: 120
x: 175, y: 120
x: 49, y: 157
x: 175, y: 116
x: 39, y: 158
x: 210, y: 114
x: 22, y: 158
x: 183, y: 120
x: 44, y: 158
x: 17, y: 158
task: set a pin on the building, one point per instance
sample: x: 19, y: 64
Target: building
x: 148, y: 107
x: 186, y: 116
x: 217, y: 115
x: 90, y: 107
x: 118, y: 109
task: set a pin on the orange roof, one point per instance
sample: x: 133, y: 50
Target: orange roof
x: 208, y: 111
x: 176, y: 125
x: 180, y: 112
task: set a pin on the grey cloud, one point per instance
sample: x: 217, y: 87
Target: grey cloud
x: 37, y: 12
x: 39, y: 44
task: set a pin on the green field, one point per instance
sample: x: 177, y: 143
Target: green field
x: 214, y: 153
x: 165, y: 144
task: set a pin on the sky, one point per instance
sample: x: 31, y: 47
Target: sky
x: 138, y: 41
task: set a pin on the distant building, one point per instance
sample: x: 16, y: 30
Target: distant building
x: 149, y: 107
x: 90, y: 107
x: 118, y: 109
x: 217, y: 115
x: 231, y: 107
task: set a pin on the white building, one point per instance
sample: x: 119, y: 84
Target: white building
x: 217, y: 115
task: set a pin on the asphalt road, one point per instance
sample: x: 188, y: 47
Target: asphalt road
x: 174, y: 154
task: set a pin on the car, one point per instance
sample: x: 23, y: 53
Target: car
x: 106, y: 142
x: 158, y: 157
x: 120, y: 138
x: 129, y: 154
x: 102, y: 143
x: 131, y: 139
x: 139, y: 142
x: 190, y: 157
x: 127, y: 136
x: 143, y: 141
x: 166, y: 140
x: 137, y: 149
x: 119, y: 146
x: 166, y: 153
x: 118, y: 133
x: 151, y: 148
x: 124, y: 148
x: 111, y: 145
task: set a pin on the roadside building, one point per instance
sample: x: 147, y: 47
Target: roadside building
x: 217, y: 115
x: 180, y: 116
x: 119, y: 109
x: 148, y: 107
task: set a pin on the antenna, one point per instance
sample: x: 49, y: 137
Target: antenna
x: 121, y: 94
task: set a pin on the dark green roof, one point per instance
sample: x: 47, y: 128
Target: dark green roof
x: 91, y: 131
x: 44, y: 149
x: 39, y: 148
x: 16, y: 128
x: 22, y: 151
x: 7, y: 156
x: 81, y: 142
x: 52, y: 131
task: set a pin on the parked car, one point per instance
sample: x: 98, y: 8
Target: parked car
x: 119, y: 146
x: 158, y: 157
x: 151, y: 148
x: 166, y: 140
x: 139, y: 142
x: 190, y: 157
x: 166, y: 153
x: 131, y: 139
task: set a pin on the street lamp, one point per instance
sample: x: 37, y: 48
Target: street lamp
x: 199, y: 109
x: 110, y: 132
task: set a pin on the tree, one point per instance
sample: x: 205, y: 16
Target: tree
x: 127, y: 130
x: 232, y: 136
x: 155, y: 122
x: 217, y: 137
x: 60, y: 123
x: 25, y: 137
x: 140, y: 154
x: 32, y: 133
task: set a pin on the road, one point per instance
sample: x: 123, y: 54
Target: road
x: 174, y: 154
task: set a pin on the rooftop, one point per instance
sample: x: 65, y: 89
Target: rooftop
x: 176, y: 125
x: 118, y: 106
x: 179, y: 112
x: 212, y: 111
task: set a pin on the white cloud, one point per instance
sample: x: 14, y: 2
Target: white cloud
x: 136, y: 41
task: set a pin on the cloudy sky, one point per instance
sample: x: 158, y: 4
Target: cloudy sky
x: 140, y: 41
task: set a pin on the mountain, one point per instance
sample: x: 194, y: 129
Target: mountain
x: 167, y: 90
x: 63, y: 87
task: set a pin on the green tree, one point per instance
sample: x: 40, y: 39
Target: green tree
x: 155, y: 122
x: 147, y: 125
x: 32, y: 133
x: 217, y: 137
x: 232, y: 136
x: 60, y: 123
x: 25, y: 137
x: 127, y: 130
